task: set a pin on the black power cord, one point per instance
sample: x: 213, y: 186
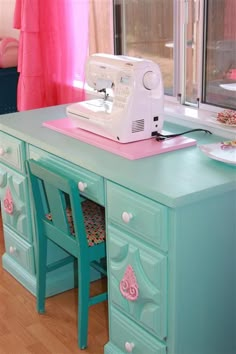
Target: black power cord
x: 161, y: 137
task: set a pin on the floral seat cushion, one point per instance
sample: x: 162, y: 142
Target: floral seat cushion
x: 94, y: 221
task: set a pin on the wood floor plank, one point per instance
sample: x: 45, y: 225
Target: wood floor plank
x: 38, y: 348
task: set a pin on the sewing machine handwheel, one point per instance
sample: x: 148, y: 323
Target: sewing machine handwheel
x: 150, y: 80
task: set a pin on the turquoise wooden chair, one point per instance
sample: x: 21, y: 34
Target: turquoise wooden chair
x: 74, y: 224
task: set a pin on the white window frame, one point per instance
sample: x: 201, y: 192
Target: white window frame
x: 204, y: 115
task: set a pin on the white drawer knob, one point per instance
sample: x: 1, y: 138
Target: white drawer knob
x: 12, y: 249
x: 126, y: 217
x: 129, y: 347
x: 82, y: 186
x: 3, y: 151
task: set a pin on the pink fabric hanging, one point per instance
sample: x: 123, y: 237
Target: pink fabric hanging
x: 52, y: 51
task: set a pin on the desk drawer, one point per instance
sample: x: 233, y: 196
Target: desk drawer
x: 138, y: 215
x: 12, y: 152
x: 19, y: 250
x: 14, y: 201
x: 138, y: 281
x: 90, y: 184
x: 130, y: 338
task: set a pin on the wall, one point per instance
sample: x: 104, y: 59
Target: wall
x: 6, y: 19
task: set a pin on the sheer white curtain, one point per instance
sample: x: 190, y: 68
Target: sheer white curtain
x: 101, y: 26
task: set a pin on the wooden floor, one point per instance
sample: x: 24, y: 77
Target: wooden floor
x: 24, y: 331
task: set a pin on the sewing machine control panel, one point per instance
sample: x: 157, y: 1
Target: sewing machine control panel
x: 122, y: 93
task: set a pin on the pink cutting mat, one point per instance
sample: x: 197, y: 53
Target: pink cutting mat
x: 131, y: 151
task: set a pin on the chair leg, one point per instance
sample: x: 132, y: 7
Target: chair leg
x: 41, y: 273
x: 83, y: 304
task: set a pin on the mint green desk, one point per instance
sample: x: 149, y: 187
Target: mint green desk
x: 171, y: 236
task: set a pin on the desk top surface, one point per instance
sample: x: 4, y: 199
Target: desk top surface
x: 175, y: 178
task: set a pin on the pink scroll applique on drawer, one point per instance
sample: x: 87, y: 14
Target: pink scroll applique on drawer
x: 129, y: 285
x: 8, y: 202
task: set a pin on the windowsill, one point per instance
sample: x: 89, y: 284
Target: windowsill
x: 197, y: 118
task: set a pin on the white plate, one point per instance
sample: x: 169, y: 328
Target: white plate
x: 216, y: 152
x: 229, y: 87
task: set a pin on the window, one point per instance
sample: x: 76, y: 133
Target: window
x: 220, y: 53
x: 193, y: 41
x: 145, y: 29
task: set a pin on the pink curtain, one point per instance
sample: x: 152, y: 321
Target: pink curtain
x: 52, y: 51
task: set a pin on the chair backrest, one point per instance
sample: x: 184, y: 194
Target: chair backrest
x: 55, y: 192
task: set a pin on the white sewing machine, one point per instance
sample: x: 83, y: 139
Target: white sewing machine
x: 135, y: 112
